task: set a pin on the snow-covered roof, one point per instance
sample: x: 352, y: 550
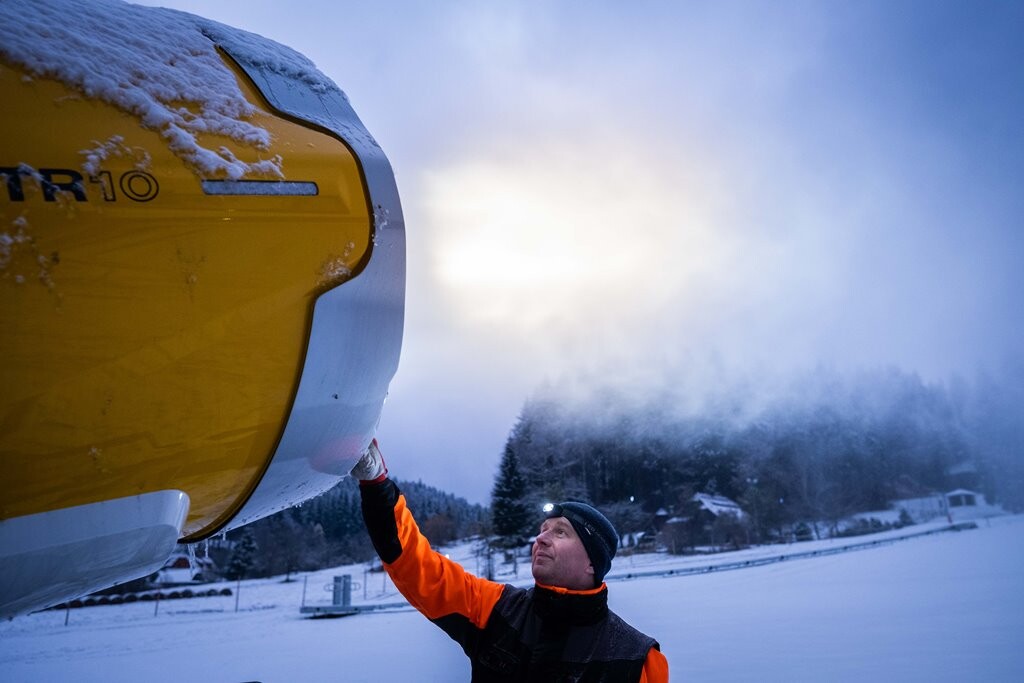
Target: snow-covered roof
x: 718, y: 505
x: 160, y: 66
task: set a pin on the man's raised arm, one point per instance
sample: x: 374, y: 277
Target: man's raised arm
x: 433, y: 584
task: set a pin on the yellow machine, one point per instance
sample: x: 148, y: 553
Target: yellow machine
x: 196, y: 333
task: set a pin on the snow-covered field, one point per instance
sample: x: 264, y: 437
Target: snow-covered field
x: 943, y: 607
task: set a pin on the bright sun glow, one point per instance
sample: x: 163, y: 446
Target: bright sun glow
x: 567, y: 236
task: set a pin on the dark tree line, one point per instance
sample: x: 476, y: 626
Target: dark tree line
x: 826, y: 447
x: 329, y: 531
x: 834, y: 446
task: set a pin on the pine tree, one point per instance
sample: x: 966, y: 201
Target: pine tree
x: 243, y: 558
x: 508, y: 509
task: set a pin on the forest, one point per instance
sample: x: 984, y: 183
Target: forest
x: 815, y: 450
x: 329, y: 531
x: 822, y: 448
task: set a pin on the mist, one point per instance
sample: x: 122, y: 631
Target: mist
x: 810, y: 189
x: 816, y: 451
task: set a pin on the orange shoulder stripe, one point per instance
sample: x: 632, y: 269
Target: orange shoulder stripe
x: 655, y: 667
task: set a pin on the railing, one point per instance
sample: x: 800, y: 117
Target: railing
x: 341, y: 587
x: 774, y: 559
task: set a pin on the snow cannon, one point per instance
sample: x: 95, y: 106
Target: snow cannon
x: 202, y: 281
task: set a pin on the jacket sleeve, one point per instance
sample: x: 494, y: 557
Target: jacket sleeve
x: 655, y: 667
x: 433, y: 584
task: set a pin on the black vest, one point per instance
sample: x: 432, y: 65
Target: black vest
x: 539, y: 635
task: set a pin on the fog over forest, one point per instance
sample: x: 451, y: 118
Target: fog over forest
x: 813, y: 450
x: 820, y: 446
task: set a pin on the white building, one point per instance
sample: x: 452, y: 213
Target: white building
x: 181, y: 568
x: 957, y: 505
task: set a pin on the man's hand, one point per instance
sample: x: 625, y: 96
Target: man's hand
x: 371, y: 466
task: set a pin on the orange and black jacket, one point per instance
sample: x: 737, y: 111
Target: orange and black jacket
x: 510, y: 634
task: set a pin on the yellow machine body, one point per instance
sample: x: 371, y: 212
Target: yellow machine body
x: 154, y: 334
x: 182, y: 351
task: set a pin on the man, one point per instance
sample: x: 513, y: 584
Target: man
x: 559, y: 630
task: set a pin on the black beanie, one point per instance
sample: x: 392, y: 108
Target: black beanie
x: 598, y: 535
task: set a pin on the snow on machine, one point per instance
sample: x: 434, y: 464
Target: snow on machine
x: 202, y: 274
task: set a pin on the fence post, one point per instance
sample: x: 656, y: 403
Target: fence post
x: 343, y: 590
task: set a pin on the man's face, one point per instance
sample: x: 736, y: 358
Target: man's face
x: 559, y: 558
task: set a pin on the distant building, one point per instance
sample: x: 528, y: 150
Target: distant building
x: 959, y: 504
x: 182, y: 568
x: 708, y: 521
x: 660, y: 518
x: 922, y: 509
x: 964, y: 504
x: 719, y: 505
x: 963, y: 498
x: 639, y: 541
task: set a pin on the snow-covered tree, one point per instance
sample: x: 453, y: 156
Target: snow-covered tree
x: 243, y: 557
x: 509, y: 512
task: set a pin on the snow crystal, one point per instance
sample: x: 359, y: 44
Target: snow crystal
x: 29, y: 172
x: 333, y: 272
x: 162, y: 66
x: 10, y: 244
x: 193, y: 564
x: 335, y: 269
x: 113, y: 147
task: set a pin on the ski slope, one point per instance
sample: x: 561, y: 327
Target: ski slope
x: 942, y: 607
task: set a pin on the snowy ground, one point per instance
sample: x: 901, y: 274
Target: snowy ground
x: 943, y: 607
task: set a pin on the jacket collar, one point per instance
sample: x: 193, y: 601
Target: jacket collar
x: 570, y: 591
x: 571, y: 606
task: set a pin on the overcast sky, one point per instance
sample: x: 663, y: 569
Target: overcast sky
x: 657, y: 190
